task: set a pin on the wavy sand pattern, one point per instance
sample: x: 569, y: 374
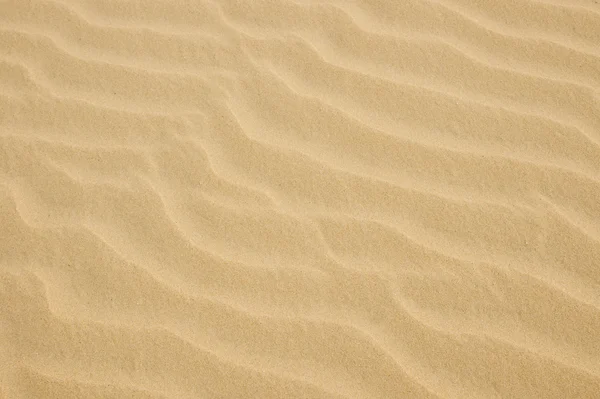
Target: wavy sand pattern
x: 299, y: 199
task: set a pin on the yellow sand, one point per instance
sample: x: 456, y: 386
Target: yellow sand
x: 299, y: 199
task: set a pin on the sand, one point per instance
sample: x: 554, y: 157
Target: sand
x: 299, y: 199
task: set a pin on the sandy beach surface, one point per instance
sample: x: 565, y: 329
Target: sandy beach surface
x: 299, y: 199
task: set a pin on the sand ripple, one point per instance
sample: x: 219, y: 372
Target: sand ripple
x: 299, y: 199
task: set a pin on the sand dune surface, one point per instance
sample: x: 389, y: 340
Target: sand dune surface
x: 299, y: 199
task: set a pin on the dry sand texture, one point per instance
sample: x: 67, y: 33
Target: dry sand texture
x: 299, y: 199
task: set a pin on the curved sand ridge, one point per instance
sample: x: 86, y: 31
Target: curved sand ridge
x: 299, y: 199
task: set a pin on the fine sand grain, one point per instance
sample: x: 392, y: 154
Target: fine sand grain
x: 299, y: 199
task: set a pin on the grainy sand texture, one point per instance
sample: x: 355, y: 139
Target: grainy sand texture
x: 299, y: 199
